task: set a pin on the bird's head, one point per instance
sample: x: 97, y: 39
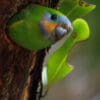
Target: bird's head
x: 55, y: 25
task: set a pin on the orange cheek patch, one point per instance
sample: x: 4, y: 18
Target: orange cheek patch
x: 50, y: 26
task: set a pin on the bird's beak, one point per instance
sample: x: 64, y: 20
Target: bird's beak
x: 62, y: 29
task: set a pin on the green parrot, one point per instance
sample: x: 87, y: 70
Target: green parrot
x: 37, y: 27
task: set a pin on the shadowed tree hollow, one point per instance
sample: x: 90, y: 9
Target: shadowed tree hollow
x: 20, y: 69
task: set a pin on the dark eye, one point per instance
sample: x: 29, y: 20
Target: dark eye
x: 53, y: 17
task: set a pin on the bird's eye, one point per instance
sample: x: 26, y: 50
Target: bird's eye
x: 53, y: 17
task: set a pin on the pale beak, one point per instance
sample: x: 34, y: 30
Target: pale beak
x: 62, y: 30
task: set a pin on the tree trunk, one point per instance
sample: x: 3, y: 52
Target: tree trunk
x: 20, y: 69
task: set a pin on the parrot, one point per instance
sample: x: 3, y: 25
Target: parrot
x: 37, y: 27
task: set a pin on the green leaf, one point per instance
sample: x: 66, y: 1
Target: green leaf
x: 81, y: 29
x: 75, y: 8
x: 57, y: 66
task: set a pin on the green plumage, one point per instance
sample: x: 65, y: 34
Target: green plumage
x: 23, y: 28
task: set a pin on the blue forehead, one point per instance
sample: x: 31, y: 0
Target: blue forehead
x: 64, y: 19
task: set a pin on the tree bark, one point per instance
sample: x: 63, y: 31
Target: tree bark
x: 20, y: 69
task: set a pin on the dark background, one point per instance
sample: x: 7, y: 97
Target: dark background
x: 84, y: 82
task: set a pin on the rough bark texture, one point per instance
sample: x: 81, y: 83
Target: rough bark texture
x: 20, y: 69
